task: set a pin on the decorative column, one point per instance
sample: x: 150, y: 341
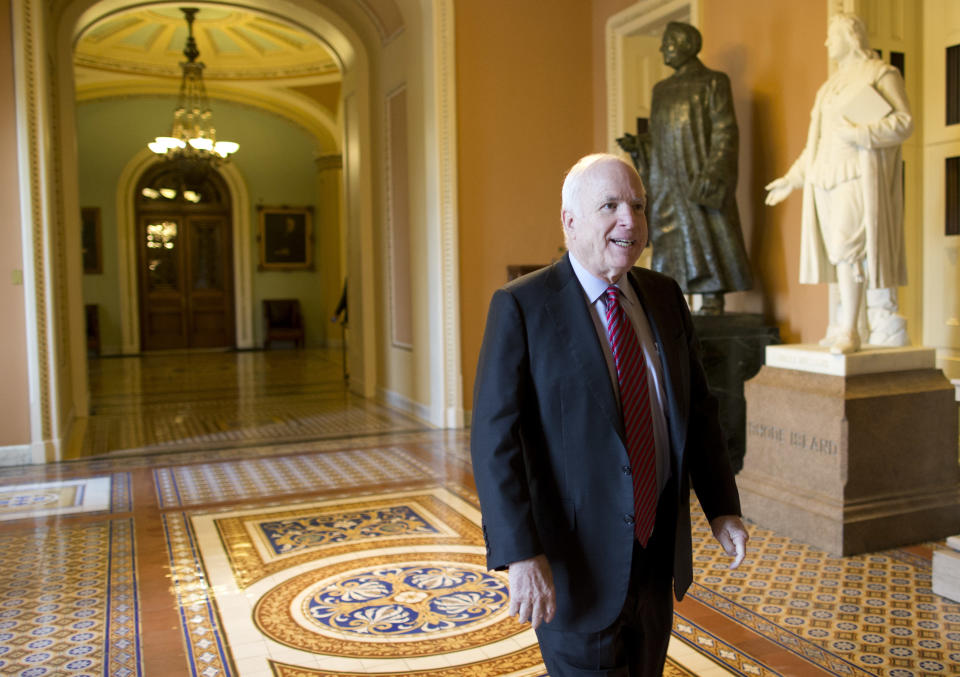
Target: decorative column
x: 330, y: 240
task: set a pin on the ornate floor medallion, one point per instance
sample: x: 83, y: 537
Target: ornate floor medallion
x: 391, y: 584
x: 421, y: 605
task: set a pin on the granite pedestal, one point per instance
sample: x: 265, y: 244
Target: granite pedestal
x: 851, y: 453
x: 733, y: 345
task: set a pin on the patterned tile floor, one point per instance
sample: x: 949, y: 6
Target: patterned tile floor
x: 236, y: 399
x: 362, y: 555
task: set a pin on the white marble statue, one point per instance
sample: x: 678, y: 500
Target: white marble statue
x: 850, y: 172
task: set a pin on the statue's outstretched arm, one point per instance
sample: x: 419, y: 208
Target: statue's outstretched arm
x: 779, y: 189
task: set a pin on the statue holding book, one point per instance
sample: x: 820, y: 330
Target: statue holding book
x: 850, y: 173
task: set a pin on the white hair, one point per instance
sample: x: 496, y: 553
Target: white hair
x: 573, y: 183
x: 855, y: 32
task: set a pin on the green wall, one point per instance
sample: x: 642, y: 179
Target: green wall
x: 276, y: 160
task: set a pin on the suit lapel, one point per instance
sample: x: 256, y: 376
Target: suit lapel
x: 651, y: 309
x: 568, y: 308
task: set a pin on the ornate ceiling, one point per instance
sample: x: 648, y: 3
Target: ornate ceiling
x: 249, y: 58
x: 234, y: 45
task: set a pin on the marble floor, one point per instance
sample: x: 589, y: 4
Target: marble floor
x: 242, y: 514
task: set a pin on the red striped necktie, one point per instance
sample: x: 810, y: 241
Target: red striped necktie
x: 637, y: 421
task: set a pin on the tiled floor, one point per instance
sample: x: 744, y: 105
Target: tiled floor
x: 233, y: 399
x: 240, y: 514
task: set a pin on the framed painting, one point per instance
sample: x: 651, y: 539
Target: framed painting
x: 90, y: 241
x: 286, y: 238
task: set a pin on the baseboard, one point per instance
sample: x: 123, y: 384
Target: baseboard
x: 453, y: 418
x: 16, y: 454
x: 405, y: 404
x: 73, y: 444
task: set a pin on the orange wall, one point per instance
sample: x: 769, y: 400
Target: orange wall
x: 14, y: 400
x: 524, y: 116
x: 532, y: 98
x: 774, y: 55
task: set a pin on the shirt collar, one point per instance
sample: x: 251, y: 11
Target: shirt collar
x: 594, y: 286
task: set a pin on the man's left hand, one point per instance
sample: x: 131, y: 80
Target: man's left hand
x: 732, y: 535
x: 532, y: 595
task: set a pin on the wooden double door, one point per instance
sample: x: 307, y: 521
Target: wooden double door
x: 186, y: 279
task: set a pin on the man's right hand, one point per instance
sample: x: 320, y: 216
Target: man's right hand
x: 532, y: 596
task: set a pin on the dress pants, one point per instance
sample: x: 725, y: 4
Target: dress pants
x: 635, y: 645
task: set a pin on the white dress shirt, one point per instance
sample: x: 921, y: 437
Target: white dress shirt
x: 595, y: 293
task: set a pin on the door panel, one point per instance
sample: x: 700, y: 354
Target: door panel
x: 209, y: 298
x: 186, y: 281
x: 941, y: 141
x: 162, y: 316
x: 894, y: 29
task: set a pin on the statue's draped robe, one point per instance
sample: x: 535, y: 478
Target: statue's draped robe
x: 693, y: 140
x: 876, y: 167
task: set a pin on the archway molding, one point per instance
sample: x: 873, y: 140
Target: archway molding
x: 642, y: 18
x: 348, y: 48
x: 43, y: 36
x: 315, y: 119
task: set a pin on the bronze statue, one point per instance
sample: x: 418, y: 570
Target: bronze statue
x: 688, y: 161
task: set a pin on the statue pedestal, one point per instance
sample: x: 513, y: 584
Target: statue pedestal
x: 733, y: 345
x: 851, y: 453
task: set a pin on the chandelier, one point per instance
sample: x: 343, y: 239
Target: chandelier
x: 192, y: 145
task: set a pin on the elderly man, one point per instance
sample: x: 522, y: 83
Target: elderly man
x: 591, y: 420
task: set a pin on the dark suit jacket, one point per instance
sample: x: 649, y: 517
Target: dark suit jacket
x: 548, y: 448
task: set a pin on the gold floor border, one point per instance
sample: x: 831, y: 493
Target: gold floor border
x: 523, y: 663
x: 276, y: 604
x: 708, y: 644
x: 511, y: 664
x: 249, y: 567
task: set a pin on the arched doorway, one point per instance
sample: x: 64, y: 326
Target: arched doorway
x: 184, y: 261
x: 47, y: 157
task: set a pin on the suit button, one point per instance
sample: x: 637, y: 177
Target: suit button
x: 626, y: 469
x: 628, y: 518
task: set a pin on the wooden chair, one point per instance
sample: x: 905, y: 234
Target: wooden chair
x: 92, y: 312
x: 513, y: 272
x: 282, y: 321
